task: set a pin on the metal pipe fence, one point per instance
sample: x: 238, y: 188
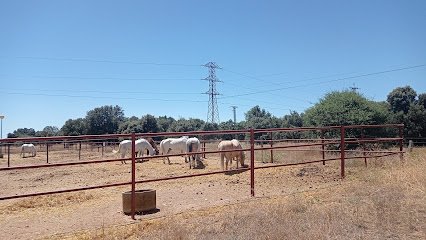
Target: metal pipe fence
x: 275, y: 145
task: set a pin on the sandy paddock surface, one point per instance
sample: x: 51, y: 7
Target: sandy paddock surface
x: 38, y: 217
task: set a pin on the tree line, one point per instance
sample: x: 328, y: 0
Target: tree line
x: 347, y: 107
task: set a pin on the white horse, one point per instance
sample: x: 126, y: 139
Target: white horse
x: 28, y: 148
x: 141, y: 145
x: 231, y: 145
x: 177, y: 145
x: 193, y: 145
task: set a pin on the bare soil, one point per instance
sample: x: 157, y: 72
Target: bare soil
x: 44, y: 216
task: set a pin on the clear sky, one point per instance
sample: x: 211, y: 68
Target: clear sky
x: 60, y: 59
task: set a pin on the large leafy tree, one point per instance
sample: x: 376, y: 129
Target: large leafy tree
x: 258, y: 118
x: 408, y: 110
x: 22, y: 132
x: 74, y: 127
x: 149, y: 124
x: 414, y: 120
x: 48, y: 131
x: 230, y: 125
x: 184, y: 125
x: 422, y: 100
x: 164, y: 123
x: 345, y: 108
x: 294, y: 119
x: 401, y: 98
x: 130, y: 125
x: 104, y: 120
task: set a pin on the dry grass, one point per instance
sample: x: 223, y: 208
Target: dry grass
x: 48, y: 201
x: 387, y: 200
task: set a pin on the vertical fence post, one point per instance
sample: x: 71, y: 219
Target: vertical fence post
x: 401, y: 147
x: 204, y: 149
x: 133, y: 177
x: 252, y: 161
x: 363, y: 146
x: 342, y: 151
x: 79, y: 150
x: 322, y: 147
x: 47, y: 152
x: 103, y: 146
x: 8, y: 155
x: 272, y: 151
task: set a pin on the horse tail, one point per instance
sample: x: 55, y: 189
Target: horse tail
x: 119, y: 149
x: 190, y: 147
x: 161, y: 147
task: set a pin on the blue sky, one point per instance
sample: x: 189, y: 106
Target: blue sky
x: 60, y: 59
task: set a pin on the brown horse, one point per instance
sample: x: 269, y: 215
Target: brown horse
x: 153, y: 144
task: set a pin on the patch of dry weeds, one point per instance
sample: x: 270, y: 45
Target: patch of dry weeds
x: 48, y: 201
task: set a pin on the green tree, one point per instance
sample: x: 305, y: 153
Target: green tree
x: 415, y: 124
x: 74, y: 127
x: 408, y: 110
x: 183, y: 125
x: 210, y: 127
x: 22, y: 133
x: 104, y: 120
x: 345, y: 108
x: 422, y: 100
x: 149, y: 124
x: 293, y: 120
x: 258, y: 118
x: 164, y: 123
x: 401, y: 98
x: 130, y: 125
x: 228, y: 125
x: 50, y: 131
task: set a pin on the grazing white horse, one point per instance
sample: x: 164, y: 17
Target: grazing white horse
x: 141, y: 145
x: 177, y: 145
x: 28, y: 148
x: 193, y: 145
x: 231, y: 145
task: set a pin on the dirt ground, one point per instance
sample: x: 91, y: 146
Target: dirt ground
x: 43, y: 216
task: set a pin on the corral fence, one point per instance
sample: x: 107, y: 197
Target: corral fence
x: 414, y: 141
x: 334, y: 143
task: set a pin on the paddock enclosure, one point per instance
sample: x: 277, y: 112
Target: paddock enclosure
x: 278, y: 161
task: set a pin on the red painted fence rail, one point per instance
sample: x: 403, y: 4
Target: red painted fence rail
x: 342, y: 141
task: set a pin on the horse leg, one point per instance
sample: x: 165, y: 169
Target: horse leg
x: 185, y: 156
x: 226, y: 163
x: 221, y: 161
x: 168, y: 151
x: 195, y: 160
x: 122, y: 156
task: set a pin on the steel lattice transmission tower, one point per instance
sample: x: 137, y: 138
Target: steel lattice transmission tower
x: 213, y: 111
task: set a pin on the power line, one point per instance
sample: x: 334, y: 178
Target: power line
x: 108, y: 78
x: 246, y: 105
x: 273, y: 94
x: 102, y: 61
x: 102, y: 92
x: 291, y: 81
x: 324, y: 82
x: 103, y: 97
